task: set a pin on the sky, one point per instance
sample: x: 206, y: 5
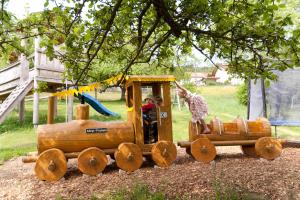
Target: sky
x: 21, y: 7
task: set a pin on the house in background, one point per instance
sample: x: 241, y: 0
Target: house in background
x: 218, y: 75
x: 224, y: 77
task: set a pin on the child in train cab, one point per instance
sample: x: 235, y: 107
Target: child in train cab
x: 149, y: 105
x: 197, y: 106
x: 149, y: 119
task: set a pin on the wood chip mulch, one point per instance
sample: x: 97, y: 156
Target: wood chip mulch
x: 277, y: 179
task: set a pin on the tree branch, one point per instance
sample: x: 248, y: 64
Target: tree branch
x: 109, y: 24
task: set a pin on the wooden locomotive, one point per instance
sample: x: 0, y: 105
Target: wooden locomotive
x: 91, y: 141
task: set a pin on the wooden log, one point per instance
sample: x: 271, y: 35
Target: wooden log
x: 92, y: 161
x: 230, y: 136
x: 82, y: 112
x: 194, y: 130
x: 268, y: 148
x: 261, y: 127
x: 164, y: 153
x: 77, y: 135
x: 234, y: 143
x: 203, y: 150
x: 50, y: 116
x: 290, y: 143
x: 29, y: 159
x: 249, y: 150
x: 51, y: 165
x: 186, y: 144
x: 129, y: 157
x: 242, y: 126
x: 216, y: 126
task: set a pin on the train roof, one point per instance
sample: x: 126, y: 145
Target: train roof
x: 150, y: 79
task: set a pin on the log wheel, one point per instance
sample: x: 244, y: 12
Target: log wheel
x: 164, y: 153
x: 129, y: 157
x: 92, y: 161
x: 249, y: 150
x: 203, y: 150
x: 268, y: 148
x: 51, y: 165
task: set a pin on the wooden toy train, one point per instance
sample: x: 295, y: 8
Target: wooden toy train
x: 91, y: 141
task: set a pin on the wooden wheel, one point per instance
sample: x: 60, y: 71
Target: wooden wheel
x: 51, y: 165
x: 164, y: 153
x: 129, y: 157
x: 249, y: 150
x: 203, y: 150
x: 92, y: 161
x: 268, y: 148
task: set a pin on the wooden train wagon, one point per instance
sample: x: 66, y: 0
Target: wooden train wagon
x: 254, y: 137
x: 92, y: 141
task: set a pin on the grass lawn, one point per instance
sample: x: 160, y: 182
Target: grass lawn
x: 18, y: 139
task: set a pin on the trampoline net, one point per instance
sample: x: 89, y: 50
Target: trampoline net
x: 283, y: 98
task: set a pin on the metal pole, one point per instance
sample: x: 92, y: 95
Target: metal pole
x: 264, y: 97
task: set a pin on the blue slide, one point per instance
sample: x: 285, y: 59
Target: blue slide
x: 96, y: 105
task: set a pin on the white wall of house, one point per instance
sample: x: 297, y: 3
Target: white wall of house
x: 223, y: 77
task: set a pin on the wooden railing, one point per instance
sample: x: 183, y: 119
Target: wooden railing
x: 10, y: 77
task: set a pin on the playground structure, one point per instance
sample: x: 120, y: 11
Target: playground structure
x: 18, y: 80
x: 91, y: 141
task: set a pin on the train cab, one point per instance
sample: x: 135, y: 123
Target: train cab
x: 148, y: 132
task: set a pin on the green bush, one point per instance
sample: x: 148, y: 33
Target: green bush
x: 242, y: 94
x: 190, y: 86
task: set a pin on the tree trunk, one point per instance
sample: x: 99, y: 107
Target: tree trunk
x: 123, y: 91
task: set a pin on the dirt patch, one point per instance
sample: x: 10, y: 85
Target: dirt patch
x: 278, y: 179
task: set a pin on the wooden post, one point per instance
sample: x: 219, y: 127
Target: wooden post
x: 35, y: 83
x: 156, y: 90
x: 82, y: 112
x: 35, y: 116
x: 55, y: 107
x: 24, y: 75
x: 137, y: 115
x: 165, y: 125
x: 70, y: 108
x: 22, y: 111
x: 50, y: 116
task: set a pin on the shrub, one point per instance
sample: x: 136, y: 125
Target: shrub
x: 242, y: 94
x: 190, y: 86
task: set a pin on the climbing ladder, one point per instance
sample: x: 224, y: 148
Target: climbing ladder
x: 14, y: 98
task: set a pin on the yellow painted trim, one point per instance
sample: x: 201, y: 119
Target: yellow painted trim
x: 129, y: 109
